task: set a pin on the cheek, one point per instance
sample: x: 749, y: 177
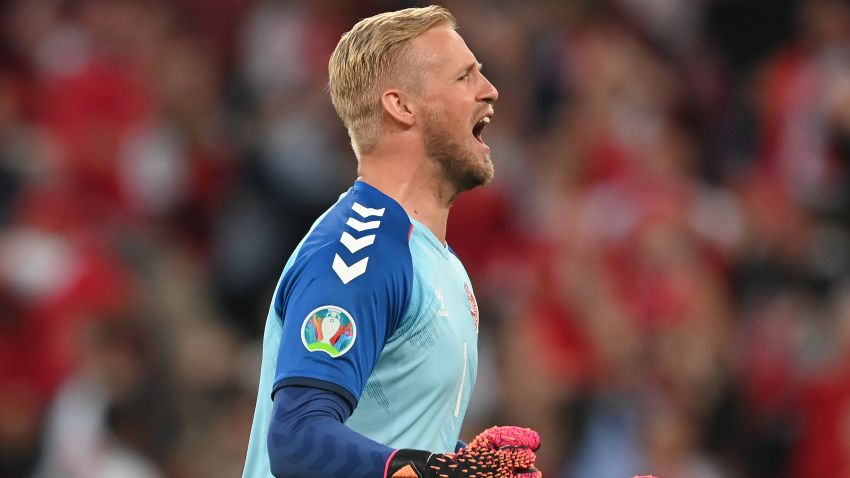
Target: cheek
x: 454, y: 112
x: 462, y: 119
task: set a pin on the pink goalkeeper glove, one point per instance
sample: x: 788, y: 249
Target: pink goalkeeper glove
x: 500, y: 437
x: 498, y: 452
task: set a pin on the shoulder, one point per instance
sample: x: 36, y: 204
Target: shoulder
x: 361, y: 242
x: 361, y: 230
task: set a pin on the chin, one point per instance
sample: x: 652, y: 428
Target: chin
x: 486, y: 169
x: 464, y: 165
x: 487, y: 174
x: 477, y: 175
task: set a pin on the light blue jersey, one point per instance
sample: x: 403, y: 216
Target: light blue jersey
x: 372, y: 306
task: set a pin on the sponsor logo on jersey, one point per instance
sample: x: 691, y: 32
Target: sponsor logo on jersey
x: 473, y: 305
x: 329, y: 329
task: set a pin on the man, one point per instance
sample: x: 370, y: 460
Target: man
x: 370, y: 348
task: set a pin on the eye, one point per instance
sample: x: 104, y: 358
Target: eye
x: 464, y: 77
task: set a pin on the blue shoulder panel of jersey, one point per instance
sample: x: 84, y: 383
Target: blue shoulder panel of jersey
x: 345, y: 294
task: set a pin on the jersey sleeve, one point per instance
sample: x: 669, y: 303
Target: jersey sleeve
x: 307, y: 418
x: 339, y: 308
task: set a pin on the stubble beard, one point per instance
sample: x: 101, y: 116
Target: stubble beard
x: 459, y: 165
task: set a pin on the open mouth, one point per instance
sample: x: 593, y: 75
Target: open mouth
x: 479, y: 128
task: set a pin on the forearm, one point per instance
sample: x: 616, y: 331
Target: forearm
x: 307, y: 438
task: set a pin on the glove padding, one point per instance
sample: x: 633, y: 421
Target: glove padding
x: 501, y: 437
x: 498, y: 452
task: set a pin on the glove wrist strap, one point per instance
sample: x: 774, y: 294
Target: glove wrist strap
x: 407, y: 463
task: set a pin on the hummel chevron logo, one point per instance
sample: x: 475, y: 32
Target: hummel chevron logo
x: 355, y: 245
x: 365, y: 211
x: 345, y: 272
x: 362, y: 226
x: 348, y: 273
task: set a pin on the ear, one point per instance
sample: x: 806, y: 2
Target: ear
x: 399, y: 106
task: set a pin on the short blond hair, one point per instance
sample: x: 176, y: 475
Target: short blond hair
x: 366, y: 59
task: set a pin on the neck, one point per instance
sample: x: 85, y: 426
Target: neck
x: 415, y: 182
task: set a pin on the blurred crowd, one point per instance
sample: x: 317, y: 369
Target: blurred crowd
x: 662, y: 262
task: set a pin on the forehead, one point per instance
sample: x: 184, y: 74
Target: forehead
x: 442, y: 48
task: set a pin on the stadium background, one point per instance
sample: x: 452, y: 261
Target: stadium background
x: 662, y: 262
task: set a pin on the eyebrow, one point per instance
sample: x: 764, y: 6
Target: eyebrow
x: 473, y: 65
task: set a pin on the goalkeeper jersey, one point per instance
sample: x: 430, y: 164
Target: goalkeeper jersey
x: 372, y: 306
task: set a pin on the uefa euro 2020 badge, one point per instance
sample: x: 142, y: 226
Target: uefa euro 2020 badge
x: 329, y: 329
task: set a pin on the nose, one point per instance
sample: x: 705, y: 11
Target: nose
x: 489, y: 93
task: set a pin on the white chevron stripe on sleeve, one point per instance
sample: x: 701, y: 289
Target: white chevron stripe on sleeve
x: 348, y: 273
x: 365, y: 211
x: 355, y: 245
x: 362, y: 226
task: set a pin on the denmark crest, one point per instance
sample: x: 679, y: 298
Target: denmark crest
x: 473, y: 305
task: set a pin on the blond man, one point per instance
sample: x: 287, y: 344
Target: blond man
x: 370, y: 347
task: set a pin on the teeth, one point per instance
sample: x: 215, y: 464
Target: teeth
x: 486, y: 120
